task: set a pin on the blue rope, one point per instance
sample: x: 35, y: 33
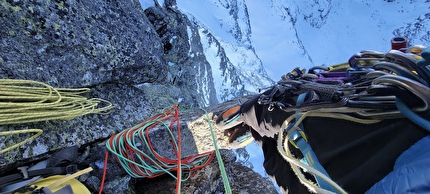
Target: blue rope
x: 411, y: 115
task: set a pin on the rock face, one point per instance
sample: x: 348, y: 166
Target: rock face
x: 140, y: 61
x: 79, y: 43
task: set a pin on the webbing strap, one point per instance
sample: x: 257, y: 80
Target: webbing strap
x: 5, y: 180
x: 299, y: 140
x: 310, y: 158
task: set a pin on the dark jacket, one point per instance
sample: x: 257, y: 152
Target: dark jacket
x: 355, y: 155
x: 411, y: 172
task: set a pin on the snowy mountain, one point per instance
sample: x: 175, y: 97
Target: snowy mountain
x: 283, y: 34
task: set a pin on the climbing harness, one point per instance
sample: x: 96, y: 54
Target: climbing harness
x: 374, y: 87
x: 133, y: 150
x: 57, y: 184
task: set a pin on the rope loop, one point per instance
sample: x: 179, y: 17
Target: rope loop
x: 134, y: 150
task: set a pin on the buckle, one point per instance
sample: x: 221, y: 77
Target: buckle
x: 24, y: 171
x: 71, y: 168
x: 296, y: 136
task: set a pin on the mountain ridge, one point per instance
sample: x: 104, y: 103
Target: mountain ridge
x: 287, y: 34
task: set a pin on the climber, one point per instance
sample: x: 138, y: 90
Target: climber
x: 351, y: 131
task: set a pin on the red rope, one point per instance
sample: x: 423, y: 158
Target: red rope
x: 104, y: 172
x: 129, y: 152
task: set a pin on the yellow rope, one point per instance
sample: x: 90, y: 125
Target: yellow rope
x: 4, y: 133
x: 25, y: 101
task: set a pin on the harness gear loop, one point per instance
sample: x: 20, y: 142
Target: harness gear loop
x: 360, y: 101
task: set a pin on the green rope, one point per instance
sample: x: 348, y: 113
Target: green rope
x: 134, y: 150
x: 154, y: 167
x: 218, y: 156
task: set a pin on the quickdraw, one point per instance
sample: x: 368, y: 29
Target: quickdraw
x: 374, y: 86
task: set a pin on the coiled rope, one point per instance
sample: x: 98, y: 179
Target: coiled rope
x: 133, y: 150
x: 25, y: 101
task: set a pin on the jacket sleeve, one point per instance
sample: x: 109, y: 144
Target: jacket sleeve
x: 411, y: 173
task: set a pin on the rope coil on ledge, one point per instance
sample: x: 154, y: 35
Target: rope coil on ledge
x: 26, y: 101
x: 133, y: 150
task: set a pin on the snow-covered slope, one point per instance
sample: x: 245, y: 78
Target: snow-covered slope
x: 242, y: 40
x: 225, y: 35
x: 284, y: 34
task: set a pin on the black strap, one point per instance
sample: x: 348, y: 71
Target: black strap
x: 9, y: 179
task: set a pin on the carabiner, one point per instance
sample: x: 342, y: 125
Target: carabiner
x: 416, y: 88
x: 367, y: 56
x: 411, y: 62
x: 416, y: 49
x: 397, y: 69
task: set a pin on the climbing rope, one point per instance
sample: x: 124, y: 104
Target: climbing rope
x: 25, y: 101
x: 296, y: 165
x: 218, y: 156
x: 14, y: 145
x: 134, y: 151
x: 375, y: 87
